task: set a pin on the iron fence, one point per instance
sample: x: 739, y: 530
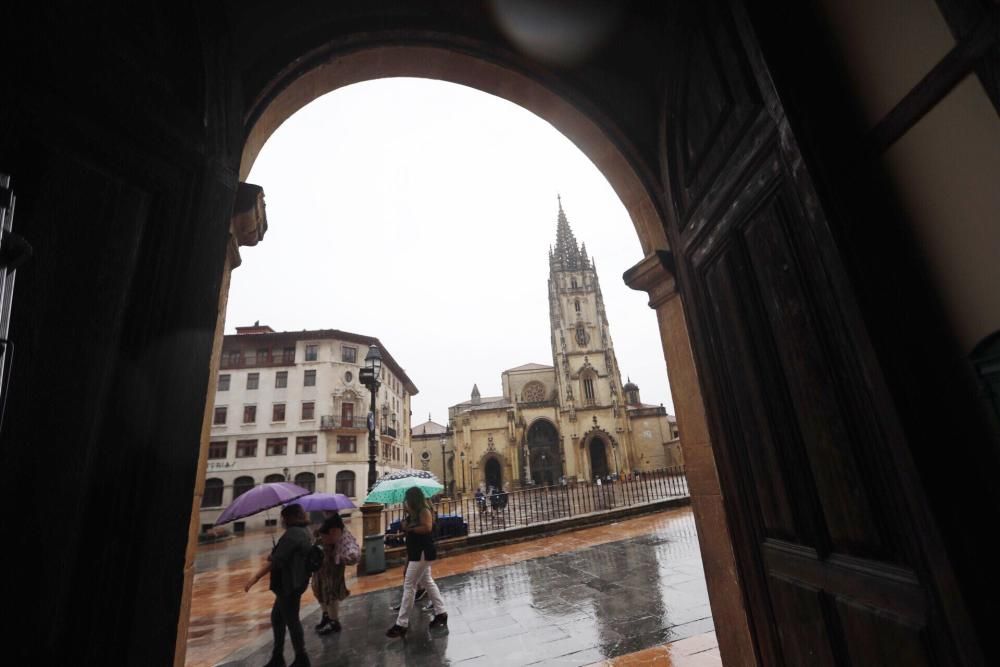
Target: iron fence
x: 530, y: 506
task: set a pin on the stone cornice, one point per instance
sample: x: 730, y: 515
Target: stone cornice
x: 654, y: 275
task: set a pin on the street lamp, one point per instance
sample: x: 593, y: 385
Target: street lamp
x: 368, y: 376
x: 461, y: 456
x: 444, y: 466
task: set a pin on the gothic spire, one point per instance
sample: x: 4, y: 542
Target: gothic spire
x: 567, y: 252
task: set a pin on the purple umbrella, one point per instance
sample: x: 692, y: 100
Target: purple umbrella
x: 329, y: 502
x: 260, y: 498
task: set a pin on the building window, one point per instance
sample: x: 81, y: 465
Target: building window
x: 309, y: 379
x: 276, y: 447
x: 263, y: 356
x: 213, y: 493
x: 306, y: 480
x: 345, y: 482
x: 347, y: 444
x: 241, y: 485
x: 249, y: 414
x: 224, y: 382
x: 281, y: 379
x: 576, y: 305
x: 288, y: 355
x: 278, y: 412
x: 218, y: 450
x: 219, y: 419
x: 588, y: 389
x: 312, y: 352
x: 308, y: 410
x: 249, y: 358
x: 347, y: 415
x: 572, y: 283
x: 233, y: 358
x: 305, y: 444
x: 246, y: 449
x: 348, y: 377
x: 349, y: 354
x: 253, y: 380
x: 274, y: 477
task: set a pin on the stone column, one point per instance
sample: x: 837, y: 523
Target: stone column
x: 654, y: 275
x: 246, y: 227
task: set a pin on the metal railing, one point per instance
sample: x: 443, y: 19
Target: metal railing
x: 526, y: 507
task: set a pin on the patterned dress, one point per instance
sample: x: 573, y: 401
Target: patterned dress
x: 328, y: 583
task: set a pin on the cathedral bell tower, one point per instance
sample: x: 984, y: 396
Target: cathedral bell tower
x: 591, y: 397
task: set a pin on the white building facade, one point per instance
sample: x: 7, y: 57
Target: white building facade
x: 289, y: 407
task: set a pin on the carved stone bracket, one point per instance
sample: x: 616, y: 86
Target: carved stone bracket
x: 248, y: 223
x: 655, y: 275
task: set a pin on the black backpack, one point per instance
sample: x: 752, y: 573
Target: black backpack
x: 314, y: 559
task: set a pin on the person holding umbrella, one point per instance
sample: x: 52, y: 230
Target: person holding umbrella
x: 340, y: 549
x: 420, y: 553
x: 289, y: 580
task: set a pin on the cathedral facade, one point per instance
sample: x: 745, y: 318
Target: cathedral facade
x: 571, y: 420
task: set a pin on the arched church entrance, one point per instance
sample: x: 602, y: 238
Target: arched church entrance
x: 598, y: 457
x: 543, y: 453
x: 493, y: 474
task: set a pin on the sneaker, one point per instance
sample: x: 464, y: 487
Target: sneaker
x: 396, y: 631
x: 440, y: 621
x: 421, y: 594
x: 332, y: 626
x: 323, y: 621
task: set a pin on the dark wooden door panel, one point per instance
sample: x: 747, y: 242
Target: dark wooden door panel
x: 831, y: 558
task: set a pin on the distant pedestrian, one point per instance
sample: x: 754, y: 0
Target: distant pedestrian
x: 289, y: 580
x: 329, y: 585
x: 420, y: 553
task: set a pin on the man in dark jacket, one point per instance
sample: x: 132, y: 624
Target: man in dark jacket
x: 289, y: 580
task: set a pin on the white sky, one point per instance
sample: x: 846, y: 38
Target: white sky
x: 421, y: 212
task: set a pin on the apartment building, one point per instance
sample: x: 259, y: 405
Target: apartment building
x: 288, y: 406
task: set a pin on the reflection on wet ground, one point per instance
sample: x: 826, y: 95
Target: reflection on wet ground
x: 576, y: 607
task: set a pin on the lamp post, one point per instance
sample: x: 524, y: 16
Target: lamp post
x: 614, y: 450
x: 369, y: 376
x: 461, y: 456
x: 444, y: 464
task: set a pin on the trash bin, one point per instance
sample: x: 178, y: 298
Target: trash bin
x: 374, y: 554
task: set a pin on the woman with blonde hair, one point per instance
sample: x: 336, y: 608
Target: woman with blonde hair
x: 420, y: 553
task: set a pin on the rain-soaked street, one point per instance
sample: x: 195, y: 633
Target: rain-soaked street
x: 572, y: 599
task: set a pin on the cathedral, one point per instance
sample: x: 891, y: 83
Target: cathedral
x: 573, y: 420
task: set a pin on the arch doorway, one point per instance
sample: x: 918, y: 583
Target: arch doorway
x: 543, y: 453
x: 598, y: 458
x: 493, y: 474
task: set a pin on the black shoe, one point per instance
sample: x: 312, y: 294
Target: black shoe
x: 276, y: 661
x: 440, y: 621
x: 396, y: 631
x: 301, y: 660
x: 323, y: 621
x: 332, y: 626
x: 421, y: 594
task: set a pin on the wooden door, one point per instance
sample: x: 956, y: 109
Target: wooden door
x: 838, y: 557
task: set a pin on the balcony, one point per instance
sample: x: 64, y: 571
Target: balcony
x: 390, y: 431
x: 336, y: 422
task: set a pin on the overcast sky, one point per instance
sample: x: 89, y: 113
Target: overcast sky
x: 421, y: 212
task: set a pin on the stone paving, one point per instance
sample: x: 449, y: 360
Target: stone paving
x: 571, y: 608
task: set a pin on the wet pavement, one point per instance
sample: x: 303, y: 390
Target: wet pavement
x: 575, y: 607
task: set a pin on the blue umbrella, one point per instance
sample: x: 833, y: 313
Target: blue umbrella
x: 325, y: 502
x: 260, y: 498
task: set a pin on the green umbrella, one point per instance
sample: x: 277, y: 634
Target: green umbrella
x: 392, y: 491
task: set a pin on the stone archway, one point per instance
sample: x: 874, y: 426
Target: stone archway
x: 493, y: 473
x: 598, y: 457
x: 544, y: 458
